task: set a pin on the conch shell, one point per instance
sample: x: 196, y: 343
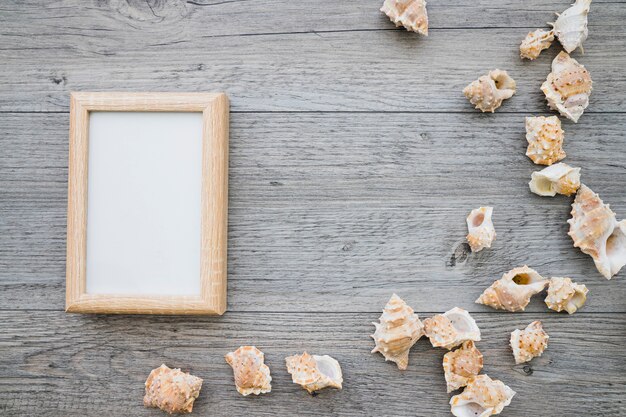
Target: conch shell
x: 462, y: 364
x: 545, y: 140
x: 252, y: 376
x: 568, y: 87
x: 535, y: 42
x: 571, y: 25
x: 480, y: 228
x: 556, y: 179
x: 397, y: 332
x: 597, y: 233
x: 512, y: 292
x: 483, y: 397
x: 171, y: 390
x: 451, y: 328
x: 529, y: 343
x: 314, y: 372
x: 563, y: 294
x: 489, y: 91
x: 408, y: 13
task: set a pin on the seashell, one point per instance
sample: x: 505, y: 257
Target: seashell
x: 252, y: 376
x: 397, y: 332
x: 545, y: 140
x: 556, y: 179
x: 314, y: 372
x: 535, y: 42
x: 451, y: 328
x: 462, y: 364
x: 571, y: 25
x: 480, y: 228
x: 595, y: 230
x: 512, y: 292
x: 408, y: 13
x: 171, y: 390
x: 568, y: 87
x: 563, y: 294
x: 483, y: 397
x: 489, y: 91
x: 529, y: 343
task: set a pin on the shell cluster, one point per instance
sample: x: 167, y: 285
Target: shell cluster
x: 529, y: 343
x: 171, y: 390
x: 571, y: 26
x: 481, y: 232
x: 535, y: 42
x: 545, y: 140
x: 314, y: 372
x: 565, y: 295
x: 408, y: 13
x: 451, y: 328
x: 483, y: 397
x: 512, y: 292
x: 462, y: 364
x: 489, y: 91
x: 252, y: 376
x: 556, y: 179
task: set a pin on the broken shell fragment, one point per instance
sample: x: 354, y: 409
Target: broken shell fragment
x: 480, y: 228
x: 545, y: 140
x: 397, y: 332
x: 535, y: 42
x: 529, y: 343
x: 595, y: 230
x: 571, y: 25
x: 489, y: 91
x: 568, y: 87
x: 171, y: 390
x: 563, y: 294
x: 451, y: 328
x: 314, y: 372
x: 512, y: 292
x: 252, y: 376
x: 483, y: 397
x: 556, y: 179
x: 462, y: 364
x: 408, y: 13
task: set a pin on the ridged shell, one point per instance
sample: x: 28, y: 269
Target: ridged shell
x: 595, y: 230
x: 529, y: 343
x: 556, y: 179
x: 535, y: 42
x: 512, y: 292
x: 252, y: 376
x: 397, y: 332
x: 571, y: 25
x: 462, y: 364
x: 451, y: 328
x: 314, y: 372
x: 171, y: 390
x: 568, y: 87
x: 408, y: 13
x: 563, y: 294
x: 483, y: 397
x: 480, y: 228
x: 488, y: 91
x: 545, y: 140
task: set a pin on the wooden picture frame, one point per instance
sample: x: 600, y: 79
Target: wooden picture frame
x: 214, y: 201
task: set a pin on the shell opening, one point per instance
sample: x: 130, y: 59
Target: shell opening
x: 543, y: 184
x: 326, y: 369
x: 460, y: 323
x: 478, y: 220
x: 504, y: 82
x: 616, y: 249
x: 523, y: 279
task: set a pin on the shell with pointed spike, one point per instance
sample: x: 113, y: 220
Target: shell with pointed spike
x: 252, y: 376
x: 408, y: 13
x: 451, y: 328
x: 535, y: 42
x: 556, y: 179
x: 480, y: 228
x: 462, y: 364
x: 529, y: 343
x: 563, y: 294
x: 483, y: 397
x: 171, y: 390
x: 489, y: 91
x: 571, y: 25
x: 512, y: 292
x: 545, y: 140
x: 314, y: 372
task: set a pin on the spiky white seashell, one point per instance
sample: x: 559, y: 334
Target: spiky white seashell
x: 314, y: 372
x: 489, y: 91
x: 408, y: 13
x: 595, y: 230
x: 462, y: 364
x: 252, y: 376
x: 171, y: 390
x: 568, y: 87
x: 529, y: 343
x: 480, y: 229
x: 545, y: 140
x: 556, y: 179
x: 451, y: 328
x: 563, y: 294
x: 483, y: 397
x: 535, y: 42
x: 512, y: 292
x: 571, y: 25
x: 397, y: 332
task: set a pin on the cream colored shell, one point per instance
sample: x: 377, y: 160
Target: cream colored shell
x: 512, y: 292
x: 462, y: 364
x: 535, y: 42
x: 489, y: 91
x: 481, y: 232
x: 556, y: 179
x: 571, y: 25
x: 483, y: 397
x: 529, y: 343
x: 451, y: 328
x: 314, y: 372
x: 408, y: 13
x: 545, y: 140
x: 563, y: 294
x: 171, y: 390
x: 252, y: 376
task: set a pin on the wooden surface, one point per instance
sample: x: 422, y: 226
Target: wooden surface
x: 354, y: 159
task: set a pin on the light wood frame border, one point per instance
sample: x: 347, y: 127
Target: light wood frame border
x: 214, y: 200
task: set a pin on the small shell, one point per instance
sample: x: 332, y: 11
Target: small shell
x: 595, y: 230
x: 571, y: 25
x: 535, y: 42
x: 488, y: 92
x: 451, y: 328
x: 512, y: 292
x: 171, y: 390
x: 397, y: 332
x: 252, y: 376
x: 483, y: 397
x: 529, y: 343
x: 563, y: 294
x: 480, y: 228
x: 314, y: 372
x: 556, y: 179
x: 568, y: 87
x: 462, y: 364
x: 545, y: 140
x: 408, y: 13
